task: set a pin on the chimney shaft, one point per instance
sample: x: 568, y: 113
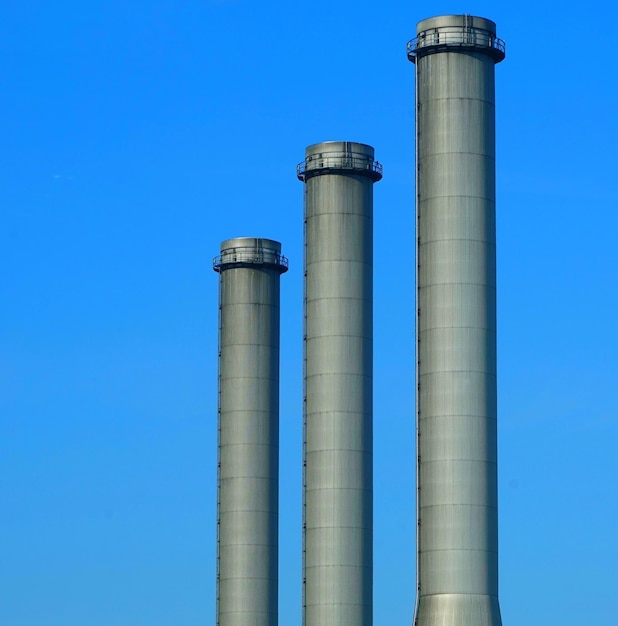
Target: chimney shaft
x: 457, y: 499
x: 248, y: 442
x: 338, y: 447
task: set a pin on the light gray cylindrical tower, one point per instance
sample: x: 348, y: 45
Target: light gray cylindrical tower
x: 338, y: 447
x: 248, y: 463
x: 457, y: 500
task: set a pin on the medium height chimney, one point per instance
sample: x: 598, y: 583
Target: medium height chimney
x: 338, y: 446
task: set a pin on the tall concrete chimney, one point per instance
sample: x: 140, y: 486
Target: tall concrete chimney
x: 248, y: 463
x: 338, y: 447
x: 457, y: 499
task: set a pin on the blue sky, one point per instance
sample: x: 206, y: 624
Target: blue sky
x: 137, y: 136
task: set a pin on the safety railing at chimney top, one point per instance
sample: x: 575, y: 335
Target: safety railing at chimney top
x: 249, y: 255
x: 339, y: 161
x: 457, y: 36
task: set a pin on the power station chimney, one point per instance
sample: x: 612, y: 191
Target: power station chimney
x: 457, y: 499
x: 248, y: 463
x: 338, y: 447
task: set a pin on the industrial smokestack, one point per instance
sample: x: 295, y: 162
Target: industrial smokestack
x: 457, y: 500
x: 248, y: 464
x: 338, y: 447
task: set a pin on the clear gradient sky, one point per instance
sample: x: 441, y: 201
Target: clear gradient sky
x: 136, y: 136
